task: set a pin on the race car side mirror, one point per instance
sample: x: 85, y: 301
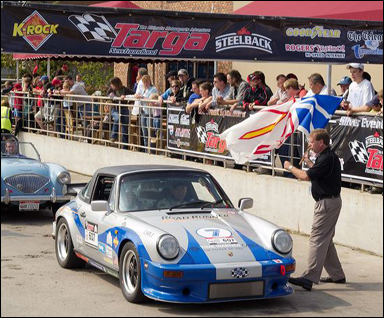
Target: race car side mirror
x: 245, y: 204
x: 100, y: 206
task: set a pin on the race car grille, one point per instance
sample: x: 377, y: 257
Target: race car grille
x: 236, y: 290
x: 27, y: 183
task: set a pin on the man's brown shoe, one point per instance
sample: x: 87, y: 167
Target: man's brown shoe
x: 330, y: 280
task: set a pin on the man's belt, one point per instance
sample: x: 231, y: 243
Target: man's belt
x: 328, y: 197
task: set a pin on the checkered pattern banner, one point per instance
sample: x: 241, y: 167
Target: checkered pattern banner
x: 93, y: 27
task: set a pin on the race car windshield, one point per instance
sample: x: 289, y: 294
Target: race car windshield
x: 170, y: 190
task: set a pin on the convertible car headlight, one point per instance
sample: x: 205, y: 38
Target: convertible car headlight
x: 282, y: 241
x: 168, y: 247
x: 64, y: 177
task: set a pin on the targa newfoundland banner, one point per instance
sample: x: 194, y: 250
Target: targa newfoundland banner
x: 358, y: 141
x: 160, y: 35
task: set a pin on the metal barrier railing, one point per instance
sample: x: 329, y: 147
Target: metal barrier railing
x: 109, y: 122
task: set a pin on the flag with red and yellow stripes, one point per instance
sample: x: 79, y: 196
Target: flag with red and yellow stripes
x: 270, y: 127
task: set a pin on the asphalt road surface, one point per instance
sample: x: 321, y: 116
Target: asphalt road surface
x: 33, y: 284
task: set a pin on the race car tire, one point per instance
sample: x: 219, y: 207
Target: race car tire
x: 65, y: 254
x: 130, y: 274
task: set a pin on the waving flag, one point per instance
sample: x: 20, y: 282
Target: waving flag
x: 269, y: 128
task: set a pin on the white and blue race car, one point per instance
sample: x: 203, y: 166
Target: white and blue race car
x: 172, y: 234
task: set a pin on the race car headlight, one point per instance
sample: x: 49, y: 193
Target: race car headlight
x: 168, y: 247
x: 282, y: 242
x: 64, y: 177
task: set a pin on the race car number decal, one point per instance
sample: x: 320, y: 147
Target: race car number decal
x: 217, y: 236
x: 91, y: 235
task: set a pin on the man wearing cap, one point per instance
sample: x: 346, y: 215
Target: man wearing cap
x: 344, y: 84
x: 361, y: 90
x: 187, y: 81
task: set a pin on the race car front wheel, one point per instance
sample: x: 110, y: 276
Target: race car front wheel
x: 64, y: 247
x: 130, y: 274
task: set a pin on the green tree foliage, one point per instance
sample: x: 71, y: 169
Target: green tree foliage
x: 96, y: 75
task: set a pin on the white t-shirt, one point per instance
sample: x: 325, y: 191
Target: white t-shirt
x: 360, y: 94
x: 139, y: 91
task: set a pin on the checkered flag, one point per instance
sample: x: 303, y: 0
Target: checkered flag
x: 359, y: 152
x: 93, y: 27
x: 239, y: 273
x: 201, y: 134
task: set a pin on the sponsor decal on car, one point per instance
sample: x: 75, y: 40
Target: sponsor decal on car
x: 91, y: 235
x: 217, y: 237
x: 102, y: 248
x: 239, y: 272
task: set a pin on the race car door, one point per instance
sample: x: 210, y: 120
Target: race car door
x: 98, y: 224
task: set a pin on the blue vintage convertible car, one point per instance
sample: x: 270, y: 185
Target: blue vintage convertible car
x: 26, y: 182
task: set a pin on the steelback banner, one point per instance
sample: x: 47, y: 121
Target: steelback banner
x: 84, y: 31
x: 358, y: 141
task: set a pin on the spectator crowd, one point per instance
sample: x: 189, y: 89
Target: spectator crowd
x: 61, y: 104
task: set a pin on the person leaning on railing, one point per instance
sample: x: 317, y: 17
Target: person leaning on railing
x: 120, y: 113
x: 374, y: 106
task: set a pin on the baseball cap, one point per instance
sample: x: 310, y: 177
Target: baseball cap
x: 252, y: 77
x: 374, y: 102
x: 182, y: 72
x: 44, y: 78
x: 355, y: 65
x: 56, y: 82
x: 171, y: 73
x: 345, y: 81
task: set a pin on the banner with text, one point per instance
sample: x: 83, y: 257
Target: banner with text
x: 156, y: 35
x: 358, y: 141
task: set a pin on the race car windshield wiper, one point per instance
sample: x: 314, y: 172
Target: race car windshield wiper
x: 213, y: 204
x: 184, y: 205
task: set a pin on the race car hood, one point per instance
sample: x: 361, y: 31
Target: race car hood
x: 219, y: 236
x: 13, y: 166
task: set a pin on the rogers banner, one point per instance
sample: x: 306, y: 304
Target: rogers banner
x: 358, y: 141
x: 201, y: 134
x: 158, y: 35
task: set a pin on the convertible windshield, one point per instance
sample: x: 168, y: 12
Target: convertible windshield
x: 12, y: 148
x: 170, y: 190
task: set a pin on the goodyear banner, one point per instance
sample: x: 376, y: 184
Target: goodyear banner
x: 358, y: 141
x: 200, y: 134
x: 159, y: 35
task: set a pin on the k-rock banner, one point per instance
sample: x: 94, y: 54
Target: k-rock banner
x: 82, y: 31
x: 270, y: 127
